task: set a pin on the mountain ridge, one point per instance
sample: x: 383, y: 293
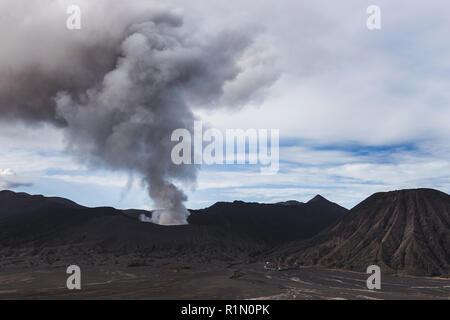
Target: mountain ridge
x: 403, y: 231
x: 31, y: 225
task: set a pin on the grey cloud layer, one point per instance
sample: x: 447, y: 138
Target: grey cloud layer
x: 344, y: 83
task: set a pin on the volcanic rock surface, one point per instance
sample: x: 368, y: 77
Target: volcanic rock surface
x: 406, y: 231
x: 36, y: 230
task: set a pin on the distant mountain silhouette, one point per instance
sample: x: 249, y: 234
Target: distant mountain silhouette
x: 40, y: 230
x: 405, y: 231
x: 272, y: 223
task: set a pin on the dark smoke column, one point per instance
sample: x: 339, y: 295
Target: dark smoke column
x: 126, y: 93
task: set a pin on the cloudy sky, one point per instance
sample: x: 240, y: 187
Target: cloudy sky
x: 359, y: 111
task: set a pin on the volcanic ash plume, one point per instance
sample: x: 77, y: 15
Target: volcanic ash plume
x: 119, y: 90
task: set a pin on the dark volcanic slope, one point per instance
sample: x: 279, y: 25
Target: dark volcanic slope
x: 36, y: 230
x: 272, y: 223
x: 407, y: 231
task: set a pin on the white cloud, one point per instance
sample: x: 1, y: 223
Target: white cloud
x: 9, y: 179
x: 342, y: 176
